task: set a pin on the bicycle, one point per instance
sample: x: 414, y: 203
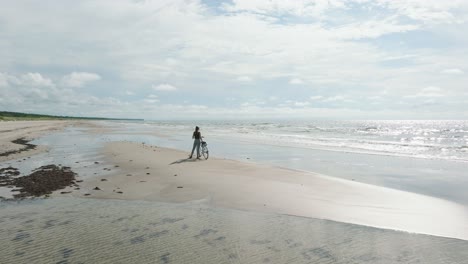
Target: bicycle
x: 204, y: 150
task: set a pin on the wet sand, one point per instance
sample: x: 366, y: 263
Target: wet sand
x: 75, y: 230
x: 142, y: 172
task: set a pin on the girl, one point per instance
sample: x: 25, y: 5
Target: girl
x: 196, y: 142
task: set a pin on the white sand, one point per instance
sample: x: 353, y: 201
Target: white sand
x: 233, y: 184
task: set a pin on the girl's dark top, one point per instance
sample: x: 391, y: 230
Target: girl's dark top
x: 197, y: 135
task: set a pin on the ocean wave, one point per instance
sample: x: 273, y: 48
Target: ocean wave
x: 423, y: 139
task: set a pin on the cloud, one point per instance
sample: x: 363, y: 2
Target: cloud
x: 316, y: 97
x: 35, y: 80
x: 430, y: 91
x: 428, y: 11
x: 348, y: 48
x: 151, y: 101
x: 281, y: 7
x: 164, y: 87
x: 301, y: 104
x: 3, y: 80
x: 373, y: 29
x: 35, y: 92
x: 334, y: 98
x: 295, y: 81
x: 253, y: 102
x: 337, y: 99
x: 453, y: 71
x: 79, y: 79
x: 244, y: 79
x: 66, y: 101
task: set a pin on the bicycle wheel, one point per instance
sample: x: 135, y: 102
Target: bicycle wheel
x: 205, y: 152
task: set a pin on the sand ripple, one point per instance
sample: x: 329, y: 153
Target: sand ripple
x: 109, y: 231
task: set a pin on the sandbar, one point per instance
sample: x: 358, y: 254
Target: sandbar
x: 144, y: 172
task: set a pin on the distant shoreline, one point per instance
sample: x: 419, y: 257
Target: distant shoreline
x: 15, y: 116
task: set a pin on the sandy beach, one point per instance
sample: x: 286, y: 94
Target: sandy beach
x: 151, y: 173
x: 138, y: 171
x: 143, y: 173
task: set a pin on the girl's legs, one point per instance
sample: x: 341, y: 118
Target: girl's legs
x: 196, y: 144
x: 193, y: 149
x: 198, y: 148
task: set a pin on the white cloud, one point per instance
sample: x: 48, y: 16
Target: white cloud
x: 244, y: 79
x: 301, y: 104
x: 326, y: 42
x: 151, y: 101
x: 453, y: 71
x: 53, y: 100
x: 337, y: 99
x: 433, y: 11
x: 430, y: 91
x: 3, y: 80
x: 296, y: 81
x: 164, y: 87
x: 316, y: 97
x: 79, y: 79
x: 334, y: 98
x: 284, y: 7
x: 426, y: 11
x: 35, y: 79
x: 373, y: 29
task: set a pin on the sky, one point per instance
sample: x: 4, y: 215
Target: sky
x: 237, y: 59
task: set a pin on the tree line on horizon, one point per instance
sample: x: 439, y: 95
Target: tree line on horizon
x: 9, y: 116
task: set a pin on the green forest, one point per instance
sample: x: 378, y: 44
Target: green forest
x: 12, y: 116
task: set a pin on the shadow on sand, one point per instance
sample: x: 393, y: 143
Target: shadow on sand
x: 184, y: 160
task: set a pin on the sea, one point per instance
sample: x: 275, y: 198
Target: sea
x: 427, y: 139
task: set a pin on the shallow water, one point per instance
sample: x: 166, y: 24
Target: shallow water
x: 72, y: 147
x: 72, y: 230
